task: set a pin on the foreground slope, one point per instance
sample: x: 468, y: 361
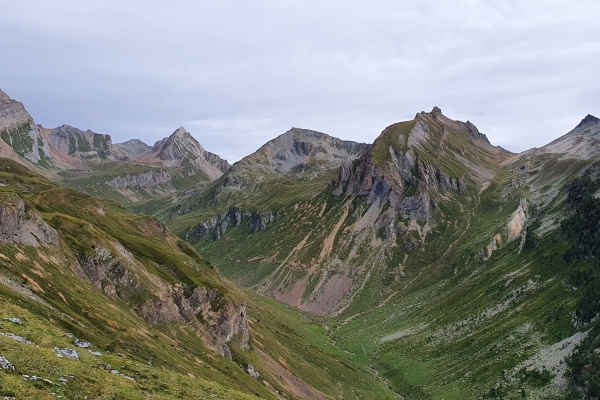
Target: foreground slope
x: 83, y: 274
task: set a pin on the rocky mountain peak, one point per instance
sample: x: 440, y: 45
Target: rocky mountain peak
x: 589, y: 126
x: 436, y: 111
x: 181, y: 148
x: 76, y: 143
x: 134, y: 148
x: 20, y: 131
x: 176, y: 145
x: 181, y: 132
x: 4, y: 99
x: 298, y: 146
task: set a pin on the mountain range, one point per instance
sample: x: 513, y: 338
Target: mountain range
x: 428, y: 264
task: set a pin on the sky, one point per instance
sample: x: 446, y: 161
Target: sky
x: 239, y: 73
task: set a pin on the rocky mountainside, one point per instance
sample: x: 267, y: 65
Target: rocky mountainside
x: 449, y: 267
x: 82, y: 145
x: 582, y: 142
x: 298, y: 149
x: 89, y: 162
x: 182, y: 149
x: 18, y: 130
x: 431, y: 251
x: 298, y: 164
x: 101, y: 302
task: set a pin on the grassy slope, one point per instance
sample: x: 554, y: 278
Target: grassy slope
x: 180, y: 364
x: 447, y: 286
x: 93, y: 181
x: 260, y: 192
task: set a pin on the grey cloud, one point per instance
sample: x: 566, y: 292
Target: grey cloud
x: 237, y: 74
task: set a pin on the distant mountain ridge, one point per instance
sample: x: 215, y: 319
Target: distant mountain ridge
x: 451, y: 267
x: 133, y: 170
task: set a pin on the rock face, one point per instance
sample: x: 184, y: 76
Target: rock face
x: 181, y: 149
x: 80, y: 144
x: 148, y: 179
x: 216, y: 227
x: 18, y: 129
x: 218, y: 319
x: 518, y: 223
x: 5, y: 364
x: 404, y: 180
x: 21, y: 226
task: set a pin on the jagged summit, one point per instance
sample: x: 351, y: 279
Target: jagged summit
x: 589, y: 119
x: 437, y: 116
x: 174, y: 146
x: 182, y: 149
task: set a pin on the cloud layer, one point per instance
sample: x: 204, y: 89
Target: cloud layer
x: 237, y: 74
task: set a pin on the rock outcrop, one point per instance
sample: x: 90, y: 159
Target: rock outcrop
x: 217, y: 226
x: 18, y: 129
x: 23, y: 226
x: 148, y: 179
x: 518, y: 223
x: 218, y: 319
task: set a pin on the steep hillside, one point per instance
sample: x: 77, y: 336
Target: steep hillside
x: 397, y: 196
x: 99, y: 302
x: 436, y: 257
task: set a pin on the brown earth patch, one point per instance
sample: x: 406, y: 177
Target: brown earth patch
x: 295, y: 385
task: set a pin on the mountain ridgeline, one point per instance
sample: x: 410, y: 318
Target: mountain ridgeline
x: 89, y: 162
x: 428, y: 264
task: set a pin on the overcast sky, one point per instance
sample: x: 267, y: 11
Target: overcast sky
x: 238, y: 73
